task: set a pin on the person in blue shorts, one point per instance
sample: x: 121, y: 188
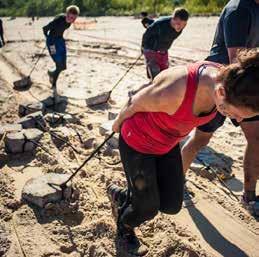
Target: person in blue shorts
x: 53, y: 32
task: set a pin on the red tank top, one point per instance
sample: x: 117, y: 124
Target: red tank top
x: 159, y: 132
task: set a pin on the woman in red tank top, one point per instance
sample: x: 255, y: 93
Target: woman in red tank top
x: 158, y: 117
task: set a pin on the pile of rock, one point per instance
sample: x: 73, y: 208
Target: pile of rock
x: 24, y: 135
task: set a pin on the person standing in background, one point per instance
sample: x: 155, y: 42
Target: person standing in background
x: 238, y: 28
x: 159, y: 37
x: 2, y: 41
x: 55, y: 41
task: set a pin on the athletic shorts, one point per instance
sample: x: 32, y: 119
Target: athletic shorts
x: 57, y: 49
x: 218, y: 121
x: 156, y: 61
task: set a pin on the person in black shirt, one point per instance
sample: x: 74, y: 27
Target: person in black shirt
x: 2, y: 41
x: 145, y: 20
x: 159, y: 37
x: 237, y: 29
x: 55, y: 42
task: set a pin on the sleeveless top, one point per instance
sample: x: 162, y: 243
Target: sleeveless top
x: 158, y: 132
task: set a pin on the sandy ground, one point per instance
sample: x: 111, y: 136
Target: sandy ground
x: 216, y: 225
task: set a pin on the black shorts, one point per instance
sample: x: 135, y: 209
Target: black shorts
x: 218, y: 121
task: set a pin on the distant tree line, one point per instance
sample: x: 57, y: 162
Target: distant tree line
x: 107, y: 7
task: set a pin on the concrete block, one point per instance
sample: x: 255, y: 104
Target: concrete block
x: 10, y: 128
x: 14, y: 142
x: 106, y: 128
x: 99, y: 99
x: 32, y: 134
x: 28, y: 108
x: 32, y: 121
x: 40, y: 191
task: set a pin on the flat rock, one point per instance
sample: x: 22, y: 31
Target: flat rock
x: 32, y: 120
x: 105, y: 130
x: 10, y: 128
x: 40, y: 191
x: 99, y: 99
x: 28, y: 108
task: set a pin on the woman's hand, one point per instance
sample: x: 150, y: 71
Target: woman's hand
x: 116, y: 126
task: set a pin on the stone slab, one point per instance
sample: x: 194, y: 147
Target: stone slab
x: 99, y: 99
x: 39, y: 192
x: 10, y: 128
x: 32, y: 120
x: 105, y: 129
x: 28, y: 108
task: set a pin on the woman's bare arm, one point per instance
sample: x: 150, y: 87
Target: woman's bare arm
x: 165, y: 94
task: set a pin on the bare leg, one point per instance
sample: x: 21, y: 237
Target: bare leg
x: 192, y: 146
x: 251, y: 157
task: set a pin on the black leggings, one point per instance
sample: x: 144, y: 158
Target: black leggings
x: 155, y: 184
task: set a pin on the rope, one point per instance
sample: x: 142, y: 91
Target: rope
x: 207, y: 166
x: 54, y: 135
x: 127, y: 71
x: 35, y: 64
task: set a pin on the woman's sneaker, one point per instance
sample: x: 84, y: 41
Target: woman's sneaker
x: 115, y: 196
x: 129, y: 243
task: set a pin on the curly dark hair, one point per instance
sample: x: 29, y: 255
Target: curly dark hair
x: 241, y: 80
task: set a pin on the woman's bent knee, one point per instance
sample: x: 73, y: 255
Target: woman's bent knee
x: 171, y: 209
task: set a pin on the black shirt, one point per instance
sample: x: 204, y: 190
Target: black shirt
x: 238, y: 26
x: 1, y: 31
x: 56, y: 27
x: 159, y: 36
x: 146, y: 22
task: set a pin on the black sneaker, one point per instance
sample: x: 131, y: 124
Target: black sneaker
x: 129, y: 243
x: 115, y: 196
